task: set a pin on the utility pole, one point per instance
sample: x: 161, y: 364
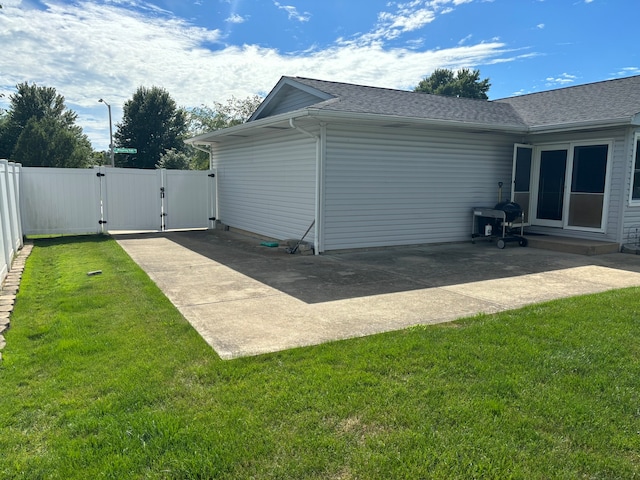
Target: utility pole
x: 111, y: 152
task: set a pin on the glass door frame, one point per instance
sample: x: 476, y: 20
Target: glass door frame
x: 535, y: 179
x: 535, y: 184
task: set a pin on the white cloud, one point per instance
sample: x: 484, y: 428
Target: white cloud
x: 563, y: 79
x: 404, y: 18
x: 293, y: 12
x: 540, y: 26
x: 465, y: 39
x: 89, y: 51
x: 235, y: 18
x: 628, y: 72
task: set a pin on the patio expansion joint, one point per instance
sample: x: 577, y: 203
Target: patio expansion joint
x: 500, y: 306
x: 230, y: 300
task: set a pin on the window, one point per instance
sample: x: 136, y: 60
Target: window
x: 588, y: 186
x: 522, y: 158
x: 635, y: 191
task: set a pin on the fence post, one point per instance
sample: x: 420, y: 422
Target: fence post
x: 163, y: 203
x: 213, y: 198
x: 17, y: 176
x: 5, y: 262
x: 5, y: 214
x: 102, y: 201
x: 14, y: 212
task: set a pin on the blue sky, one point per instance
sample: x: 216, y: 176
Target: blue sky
x: 203, y: 51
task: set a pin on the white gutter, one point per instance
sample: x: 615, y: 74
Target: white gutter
x: 415, y: 121
x: 328, y: 115
x: 584, y: 125
x: 239, y: 130
x: 320, y: 157
x: 205, y: 150
x: 321, y: 114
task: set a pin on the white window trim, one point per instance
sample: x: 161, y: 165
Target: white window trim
x: 634, y: 202
x: 570, y: 146
x: 535, y: 190
x: 607, y: 185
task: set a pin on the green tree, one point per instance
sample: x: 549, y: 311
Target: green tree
x: 172, y: 160
x: 100, y: 158
x: 44, y: 143
x: 38, y: 130
x: 464, y: 83
x: 4, y: 124
x: 205, y: 119
x: 152, y: 124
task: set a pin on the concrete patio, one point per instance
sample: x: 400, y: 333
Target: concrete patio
x: 246, y: 299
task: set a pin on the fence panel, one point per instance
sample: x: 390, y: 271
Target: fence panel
x: 77, y: 201
x: 14, y: 209
x: 6, y: 250
x: 4, y: 262
x: 132, y: 199
x: 59, y: 201
x: 189, y: 200
x: 6, y: 214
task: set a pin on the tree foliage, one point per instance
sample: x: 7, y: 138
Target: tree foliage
x: 173, y: 160
x: 44, y: 143
x: 464, y: 83
x: 152, y: 124
x: 235, y: 111
x: 205, y: 119
x: 38, y: 130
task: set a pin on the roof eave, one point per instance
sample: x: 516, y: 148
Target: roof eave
x: 586, y: 125
x: 238, y: 130
x: 328, y: 115
x: 416, y: 121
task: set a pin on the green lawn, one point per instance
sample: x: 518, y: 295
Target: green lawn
x: 103, y: 378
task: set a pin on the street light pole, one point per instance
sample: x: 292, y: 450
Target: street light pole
x: 112, y: 153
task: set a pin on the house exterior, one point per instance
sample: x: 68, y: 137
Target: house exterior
x: 380, y: 167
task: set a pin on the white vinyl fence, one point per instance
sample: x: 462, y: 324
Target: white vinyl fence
x: 10, y: 222
x: 103, y: 199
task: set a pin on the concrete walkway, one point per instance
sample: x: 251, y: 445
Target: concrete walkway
x: 245, y: 299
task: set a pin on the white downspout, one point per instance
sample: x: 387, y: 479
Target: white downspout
x: 319, y: 176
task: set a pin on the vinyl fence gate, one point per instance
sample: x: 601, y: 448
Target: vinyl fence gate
x: 105, y: 199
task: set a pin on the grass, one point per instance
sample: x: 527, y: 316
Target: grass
x: 103, y: 378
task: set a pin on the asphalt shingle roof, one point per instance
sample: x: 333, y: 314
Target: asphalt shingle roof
x: 594, y: 102
x: 383, y: 101
x: 601, y: 101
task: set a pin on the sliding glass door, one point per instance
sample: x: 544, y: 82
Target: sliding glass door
x: 588, y: 186
x: 552, y: 168
x: 567, y: 186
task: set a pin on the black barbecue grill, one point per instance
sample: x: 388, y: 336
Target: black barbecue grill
x: 504, y: 221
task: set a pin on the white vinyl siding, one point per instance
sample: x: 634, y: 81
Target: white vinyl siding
x: 267, y: 185
x: 631, y: 225
x: 397, y: 186
x: 290, y: 99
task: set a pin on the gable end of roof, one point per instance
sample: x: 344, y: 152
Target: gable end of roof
x: 288, y: 95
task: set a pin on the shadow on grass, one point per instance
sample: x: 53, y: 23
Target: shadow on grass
x: 49, y: 240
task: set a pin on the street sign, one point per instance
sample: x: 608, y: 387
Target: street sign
x: 125, y: 150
